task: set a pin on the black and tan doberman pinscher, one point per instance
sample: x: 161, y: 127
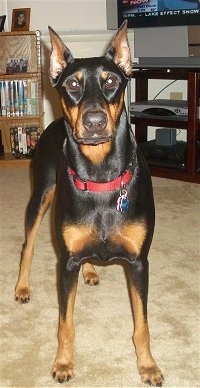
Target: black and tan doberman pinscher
x: 104, y: 207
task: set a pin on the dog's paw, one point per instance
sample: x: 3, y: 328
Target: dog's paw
x: 151, y: 375
x: 62, y: 372
x: 91, y: 279
x: 22, y: 294
x: 90, y: 276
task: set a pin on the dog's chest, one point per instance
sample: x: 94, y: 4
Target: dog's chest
x: 104, y: 234
x: 104, y: 223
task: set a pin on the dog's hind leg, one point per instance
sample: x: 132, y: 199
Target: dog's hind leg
x: 90, y: 275
x: 149, y: 371
x: 35, y: 211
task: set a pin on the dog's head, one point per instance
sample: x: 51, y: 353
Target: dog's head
x: 91, y: 89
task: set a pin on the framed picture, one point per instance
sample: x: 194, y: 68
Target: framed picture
x: 16, y: 65
x: 2, y: 21
x: 20, y: 19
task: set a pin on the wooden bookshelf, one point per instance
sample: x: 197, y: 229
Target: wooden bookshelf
x: 7, y: 160
x: 16, y: 46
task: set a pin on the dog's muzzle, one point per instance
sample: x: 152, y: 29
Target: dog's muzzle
x: 94, y: 127
x: 94, y: 122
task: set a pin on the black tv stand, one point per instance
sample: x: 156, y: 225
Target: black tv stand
x: 190, y: 171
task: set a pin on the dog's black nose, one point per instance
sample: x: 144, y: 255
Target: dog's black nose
x: 94, y: 122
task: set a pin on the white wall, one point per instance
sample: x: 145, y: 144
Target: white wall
x: 75, y: 21
x: 80, y: 23
x: 63, y: 15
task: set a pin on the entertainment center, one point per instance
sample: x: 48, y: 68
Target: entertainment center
x: 190, y: 169
x: 166, y: 47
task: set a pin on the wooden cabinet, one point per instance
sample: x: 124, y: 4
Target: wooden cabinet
x: 21, y: 108
x: 191, y: 170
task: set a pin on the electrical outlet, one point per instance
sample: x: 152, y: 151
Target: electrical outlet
x: 176, y: 95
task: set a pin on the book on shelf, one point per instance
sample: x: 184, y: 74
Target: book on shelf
x: 23, y: 140
x: 19, y: 97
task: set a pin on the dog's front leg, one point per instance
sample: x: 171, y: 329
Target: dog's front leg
x: 138, y: 276
x: 36, y: 209
x: 64, y: 363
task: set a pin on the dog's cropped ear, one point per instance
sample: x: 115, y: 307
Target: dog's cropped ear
x: 60, y: 57
x: 119, y: 50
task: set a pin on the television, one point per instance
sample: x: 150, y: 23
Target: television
x: 158, y: 13
x: 166, y: 32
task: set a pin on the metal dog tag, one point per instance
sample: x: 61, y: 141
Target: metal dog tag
x: 123, y: 202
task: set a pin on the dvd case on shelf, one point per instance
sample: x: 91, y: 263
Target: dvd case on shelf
x: 19, y: 98
x: 23, y: 140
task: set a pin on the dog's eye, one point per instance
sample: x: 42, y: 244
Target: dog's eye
x: 111, y: 82
x: 73, y: 84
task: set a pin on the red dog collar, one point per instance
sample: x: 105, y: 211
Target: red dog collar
x: 98, y: 187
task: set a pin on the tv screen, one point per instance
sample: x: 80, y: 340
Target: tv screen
x: 158, y: 13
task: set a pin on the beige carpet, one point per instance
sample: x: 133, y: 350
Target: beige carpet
x: 104, y: 354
